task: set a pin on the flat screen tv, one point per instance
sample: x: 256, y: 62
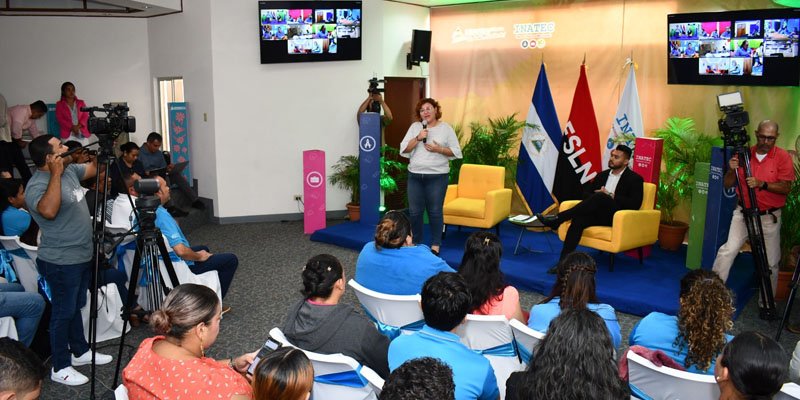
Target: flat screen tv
x: 746, y: 47
x: 301, y: 31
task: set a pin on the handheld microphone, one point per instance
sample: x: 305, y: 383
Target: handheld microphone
x: 424, y: 126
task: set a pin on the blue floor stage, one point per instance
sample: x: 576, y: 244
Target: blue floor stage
x: 632, y: 288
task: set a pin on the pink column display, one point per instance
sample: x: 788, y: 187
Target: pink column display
x: 647, y: 163
x: 313, y: 190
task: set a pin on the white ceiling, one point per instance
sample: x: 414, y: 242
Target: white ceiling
x: 91, y: 8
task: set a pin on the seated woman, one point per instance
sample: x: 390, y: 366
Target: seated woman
x: 480, y: 267
x: 697, y: 334
x: 187, y: 324
x: 574, y: 289
x: 575, y: 360
x: 393, y: 264
x: 752, y: 366
x: 14, y: 219
x: 319, y: 323
x: 284, y: 374
x: 126, y: 165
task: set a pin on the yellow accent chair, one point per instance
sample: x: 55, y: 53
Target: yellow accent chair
x: 631, y: 229
x: 479, y: 200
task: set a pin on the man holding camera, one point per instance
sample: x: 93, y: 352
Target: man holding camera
x: 373, y: 103
x: 773, y: 173
x: 56, y: 202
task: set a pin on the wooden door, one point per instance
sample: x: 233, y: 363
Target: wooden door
x: 402, y: 95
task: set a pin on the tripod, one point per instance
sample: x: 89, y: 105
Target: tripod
x: 789, y: 302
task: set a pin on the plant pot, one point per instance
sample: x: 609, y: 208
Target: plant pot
x: 784, y: 279
x: 354, y: 212
x: 670, y: 236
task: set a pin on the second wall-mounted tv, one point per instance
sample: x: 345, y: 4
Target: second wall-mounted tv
x: 300, y: 31
x: 747, y: 47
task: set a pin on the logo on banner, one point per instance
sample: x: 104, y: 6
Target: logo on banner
x: 460, y: 35
x: 532, y: 44
x: 367, y: 143
x: 314, y: 179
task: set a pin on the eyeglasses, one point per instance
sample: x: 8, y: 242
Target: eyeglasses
x: 426, y: 109
x: 766, y: 138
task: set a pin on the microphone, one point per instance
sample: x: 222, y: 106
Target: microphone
x: 424, y: 126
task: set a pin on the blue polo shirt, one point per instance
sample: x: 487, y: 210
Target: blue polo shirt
x: 170, y: 229
x: 658, y: 331
x: 542, y: 314
x: 472, y: 373
x: 400, y: 271
x: 15, y: 221
x: 151, y: 161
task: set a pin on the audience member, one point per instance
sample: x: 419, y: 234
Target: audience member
x: 480, y: 267
x: 79, y: 156
x: 420, y: 378
x: 122, y: 214
x: 21, y: 371
x: 697, y: 334
x: 752, y: 366
x: 6, y: 163
x: 445, y: 304
x: 574, y: 289
x: 126, y: 165
x: 15, y: 219
x: 55, y: 201
x: 187, y: 324
x: 72, y: 120
x: 94, y: 194
x: 23, y: 118
x: 154, y: 163
x: 794, y: 365
x: 25, y: 307
x: 575, y: 360
x: 284, y: 374
x: 392, y: 263
x: 321, y: 324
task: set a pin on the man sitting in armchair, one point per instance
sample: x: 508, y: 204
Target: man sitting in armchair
x: 617, y: 188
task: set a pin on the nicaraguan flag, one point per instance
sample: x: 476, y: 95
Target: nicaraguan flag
x: 627, y: 124
x: 538, y: 154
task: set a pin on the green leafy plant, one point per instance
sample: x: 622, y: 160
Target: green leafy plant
x: 346, y: 173
x: 684, y: 147
x: 790, y: 217
x: 489, y: 144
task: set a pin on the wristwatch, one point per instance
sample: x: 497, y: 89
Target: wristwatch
x: 764, y: 186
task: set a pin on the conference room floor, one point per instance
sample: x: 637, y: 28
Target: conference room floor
x: 271, y: 256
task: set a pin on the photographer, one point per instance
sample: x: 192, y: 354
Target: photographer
x: 773, y: 172
x: 374, y: 103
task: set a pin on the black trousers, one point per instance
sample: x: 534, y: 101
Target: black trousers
x: 597, y: 210
x: 10, y: 157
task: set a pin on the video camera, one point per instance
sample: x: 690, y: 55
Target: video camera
x: 115, y: 121
x: 374, y: 88
x: 735, y: 119
x: 147, y: 202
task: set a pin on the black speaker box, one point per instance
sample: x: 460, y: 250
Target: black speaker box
x: 420, y: 46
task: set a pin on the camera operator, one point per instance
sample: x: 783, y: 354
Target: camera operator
x: 374, y: 103
x: 57, y: 203
x: 773, y: 172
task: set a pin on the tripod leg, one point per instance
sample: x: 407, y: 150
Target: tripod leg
x: 137, y: 259
x: 790, y: 301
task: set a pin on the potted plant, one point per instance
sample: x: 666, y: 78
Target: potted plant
x: 346, y: 175
x: 790, y: 231
x: 684, y: 147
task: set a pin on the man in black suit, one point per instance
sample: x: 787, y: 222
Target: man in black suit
x: 617, y: 188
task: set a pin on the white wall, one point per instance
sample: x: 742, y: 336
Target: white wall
x: 399, y: 20
x: 106, y: 58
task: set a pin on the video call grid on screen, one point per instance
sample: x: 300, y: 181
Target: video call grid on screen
x: 296, y: 31
x: 755, y: 47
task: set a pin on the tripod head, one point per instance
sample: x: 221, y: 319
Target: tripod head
x: 146, y: 204
x: 733, y: 123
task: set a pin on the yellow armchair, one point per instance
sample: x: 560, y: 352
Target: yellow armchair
x: 480, y: 199
x: 631, y: 229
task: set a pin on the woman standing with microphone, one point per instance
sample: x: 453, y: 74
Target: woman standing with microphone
x: 429, y: 144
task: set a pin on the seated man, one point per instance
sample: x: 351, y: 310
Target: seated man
x: 21, y: 371
x: 445, y: 303
x: 197, y: 258
x: 122, y: 214
x: 26, y: 308
x: 617, y: 188
x: 153, y: 161
x: 22, y: 118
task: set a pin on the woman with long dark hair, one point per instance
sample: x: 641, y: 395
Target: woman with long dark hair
x: 71, y: 119
x: 392, y: 263
x: 480, y: 267
x: 752, y: 366
x: 284, y: 374
x: 575, y: 360
x: 320, y: 323
x: 696, y: 335
x: 574, y: 289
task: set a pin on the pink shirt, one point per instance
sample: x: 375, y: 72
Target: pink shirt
x: 504, y: 304
x: 20, y: 120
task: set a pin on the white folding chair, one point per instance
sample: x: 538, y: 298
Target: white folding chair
x: 24, y: 259
x: 392, y: 314
x: 647, y: 381
x: 8, y: 328
x: 109, y: 309
x: 121, y: 393
x: 490, y: 335
x: 337, y: 376
x: 789, y: 391
x: 526, y: 339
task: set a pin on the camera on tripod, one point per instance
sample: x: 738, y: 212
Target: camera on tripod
x: 113, y: 123
x: 147, y: 202
x: 374, y: 88
x: 735, y: 119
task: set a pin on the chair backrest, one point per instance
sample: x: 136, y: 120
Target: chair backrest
x: 491, y: 336
x: 789, y: 391
x: 121, y: 393
x: 337, y: 376
x: 526, y: 339
x: 648, y: 381
x: 474, y: 181
x: 24, y: 259
x: 648, y: 196
x: 393, y: 314
x: 8, y: 328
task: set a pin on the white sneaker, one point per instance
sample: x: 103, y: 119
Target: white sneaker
x: 86, y: 358
x: 68, y: 376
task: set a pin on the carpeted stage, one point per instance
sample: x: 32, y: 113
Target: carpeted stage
x: 632, y: 288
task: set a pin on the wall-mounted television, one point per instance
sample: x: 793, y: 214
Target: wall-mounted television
x: 300, y: 31
x: 746, y: 47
